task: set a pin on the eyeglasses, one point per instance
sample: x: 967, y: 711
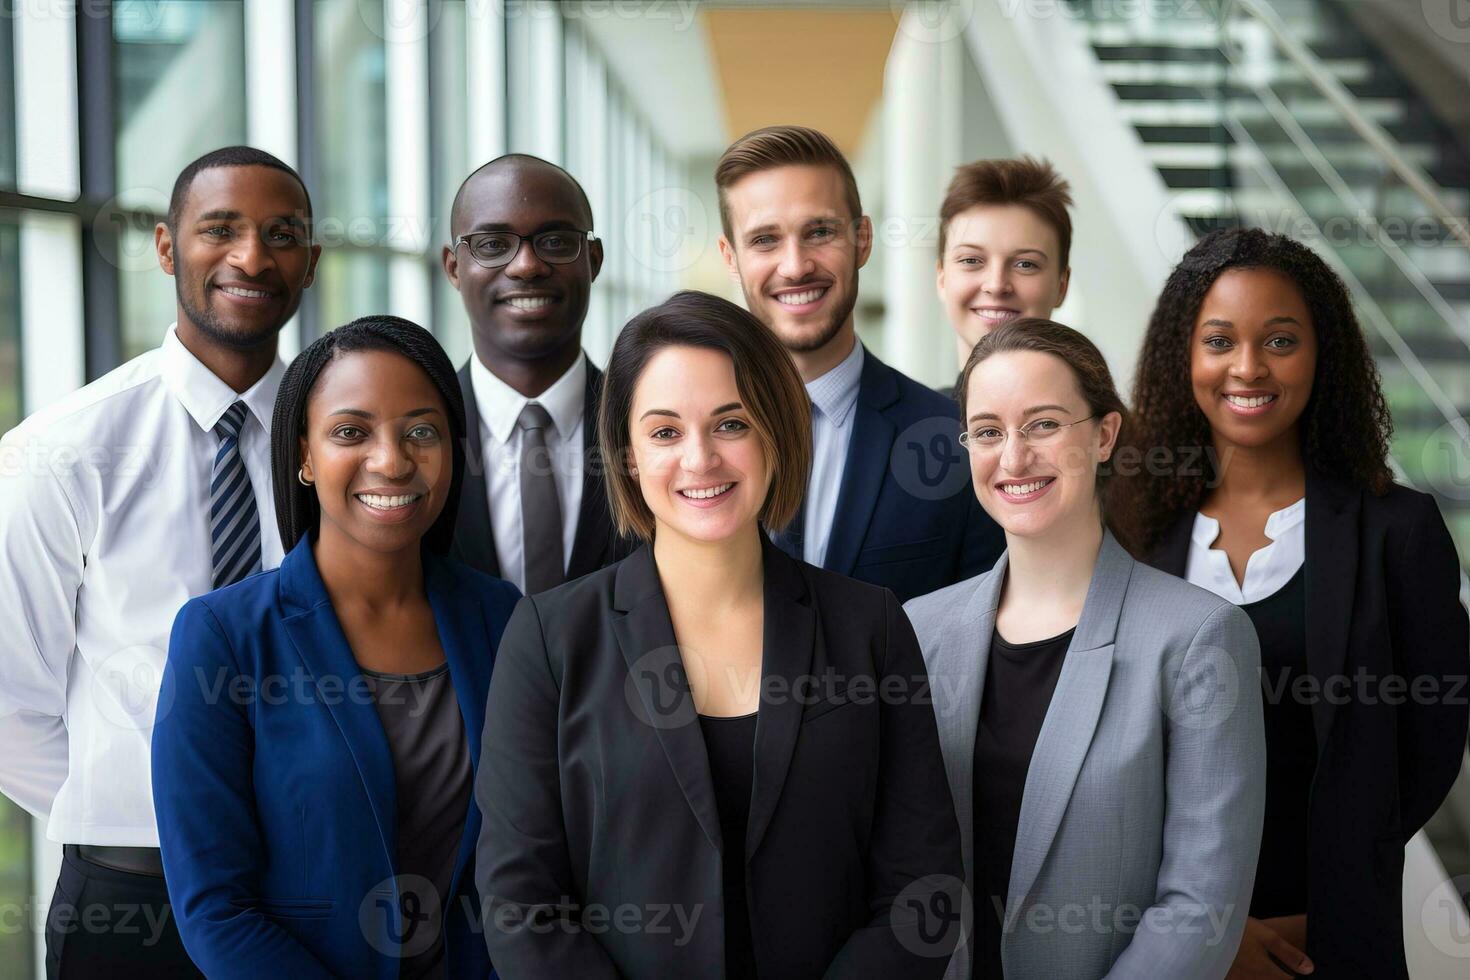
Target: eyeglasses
x: 986, y: 436
x: 493, y: 249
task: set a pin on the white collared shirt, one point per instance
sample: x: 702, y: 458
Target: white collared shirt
x: 833, y: 395
x: 1267, y: 570
x: 500, y: 407
x: 104, y: 534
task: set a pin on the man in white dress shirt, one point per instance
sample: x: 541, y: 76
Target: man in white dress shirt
x: 146, y: 487
x: 533, y: 509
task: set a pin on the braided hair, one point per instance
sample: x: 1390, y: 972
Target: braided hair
x: 1345, y: 427
x: 297, y: 511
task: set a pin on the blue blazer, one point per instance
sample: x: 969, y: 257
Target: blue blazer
x: 274, y: 784
x: 907, y: 517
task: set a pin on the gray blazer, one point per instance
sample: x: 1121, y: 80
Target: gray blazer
x: 1141, y: 817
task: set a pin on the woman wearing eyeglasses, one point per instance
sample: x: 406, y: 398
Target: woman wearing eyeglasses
x: 1098, y: 720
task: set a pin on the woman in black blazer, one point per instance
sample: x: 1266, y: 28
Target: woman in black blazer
x: 711, y: 759
x: 1255, y: 357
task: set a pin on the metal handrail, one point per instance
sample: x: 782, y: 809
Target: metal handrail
x: 1335, y: 92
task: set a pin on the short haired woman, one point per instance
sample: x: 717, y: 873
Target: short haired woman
x: 712, y: 759
x: 313, y: 760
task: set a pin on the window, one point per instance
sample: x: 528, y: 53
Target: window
x: 15, y: 825
x: 451, y: 163
x: 350, y: 189
x: 7, y: 102
x: 179, y: 72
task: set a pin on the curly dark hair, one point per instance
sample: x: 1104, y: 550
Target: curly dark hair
x: 297, y: 511
x: 1345, y: 427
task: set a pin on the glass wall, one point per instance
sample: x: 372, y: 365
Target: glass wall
x: 350, y: 188
x: 15, y: 825
x: 449, y: 103
x: 179, y: 92
x: 7, y: 102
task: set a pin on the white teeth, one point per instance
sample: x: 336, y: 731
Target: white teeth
x: 999, y: 316
x: 1021, y: 489
x: 708, y: 492
x: 1255, y: 402
x: 246, y: 293
x: 528, y: 303
x: 380, y: 502
x: 802, y: 298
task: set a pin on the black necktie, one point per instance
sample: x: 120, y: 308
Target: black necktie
x: 541, y: 527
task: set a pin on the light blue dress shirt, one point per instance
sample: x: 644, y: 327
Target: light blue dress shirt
x: 834, y: 396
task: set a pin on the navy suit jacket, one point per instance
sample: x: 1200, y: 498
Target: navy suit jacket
x: 907, y: 517
x: 274, y: 784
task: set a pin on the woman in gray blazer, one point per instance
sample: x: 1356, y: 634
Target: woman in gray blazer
x: 1098, y: 718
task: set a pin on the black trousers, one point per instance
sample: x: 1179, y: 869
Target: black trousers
x: 107, y: 923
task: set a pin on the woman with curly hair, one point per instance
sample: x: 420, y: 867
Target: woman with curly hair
x: 1255, y: 379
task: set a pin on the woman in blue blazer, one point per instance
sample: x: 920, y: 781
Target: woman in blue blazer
x: 313, y: 758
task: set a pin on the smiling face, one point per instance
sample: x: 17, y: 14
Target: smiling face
x: 377, y: 447
x: 241, y: 254
x: 1253, y: 357
x: 529, y: 309
x: 1046, y: 483
x: 795, y: 253
x: 700, y: 464
x: 1001, y: 262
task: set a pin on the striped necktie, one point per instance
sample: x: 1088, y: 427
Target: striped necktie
x: 234, y: 523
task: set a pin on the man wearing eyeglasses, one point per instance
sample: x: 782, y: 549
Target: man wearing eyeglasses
x: 522, y: 255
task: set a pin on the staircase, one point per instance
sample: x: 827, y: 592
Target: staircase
x: 1242, y: 133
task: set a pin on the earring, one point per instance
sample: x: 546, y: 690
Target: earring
x: 301, y: 477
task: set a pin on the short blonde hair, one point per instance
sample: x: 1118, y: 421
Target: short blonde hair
x: 769, y: 386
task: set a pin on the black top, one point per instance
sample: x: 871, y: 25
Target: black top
x: 594, y: 782
x: 432, y: 775
x: 1382, y: 609
x: 730, y: 743
x: 1291, y: 750
x: 1019, y: 682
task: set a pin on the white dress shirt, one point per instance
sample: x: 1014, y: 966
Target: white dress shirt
x: 104, y: 534
x: 833, y: 395
x: 1267, y: 570
x: 500, y: 406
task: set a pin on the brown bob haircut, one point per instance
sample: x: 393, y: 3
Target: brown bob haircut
x: 770, y: 389
x: 781, y: 146
x: 1089, y: 368
x: 1031, y: 183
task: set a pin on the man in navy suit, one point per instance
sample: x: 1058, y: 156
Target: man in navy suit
x: 889, y: 498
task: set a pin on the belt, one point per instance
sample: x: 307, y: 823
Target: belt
x: 134, y: 860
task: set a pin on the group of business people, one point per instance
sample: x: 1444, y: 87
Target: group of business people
x: 780, y: 698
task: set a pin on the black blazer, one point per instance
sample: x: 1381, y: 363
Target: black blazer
x: 597, y: 795
x: 1383, y: 585
x: 597, y: 543
x: 906, y: 518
